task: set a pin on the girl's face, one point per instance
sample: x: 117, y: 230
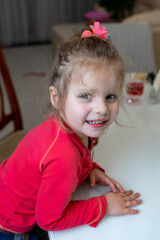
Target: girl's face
x: 92, y: 101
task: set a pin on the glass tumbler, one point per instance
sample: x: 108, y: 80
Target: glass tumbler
x: 135, y: 87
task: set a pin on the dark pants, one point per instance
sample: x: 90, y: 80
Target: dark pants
x: 35, y: 234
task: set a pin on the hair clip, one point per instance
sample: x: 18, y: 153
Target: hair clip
x: 98, y: 31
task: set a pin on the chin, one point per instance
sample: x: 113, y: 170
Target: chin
x: 96, y: 135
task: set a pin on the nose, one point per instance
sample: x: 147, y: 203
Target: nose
x: 101, y: 107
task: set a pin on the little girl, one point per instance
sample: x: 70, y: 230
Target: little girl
x: 38, y: 180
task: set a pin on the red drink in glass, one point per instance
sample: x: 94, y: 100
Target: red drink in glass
x: 135, y: 88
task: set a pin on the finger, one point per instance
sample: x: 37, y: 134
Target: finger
x: 131, y: 197
x: 133, y: 203
x: 130, y: 211
x: 108, y: 181
x: 113, y: 187
x: 92, y: 180
x: 111, y: 184
x: 118, y: 186
x: 126, y: 193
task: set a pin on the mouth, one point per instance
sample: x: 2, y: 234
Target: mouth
x: 96, y: 123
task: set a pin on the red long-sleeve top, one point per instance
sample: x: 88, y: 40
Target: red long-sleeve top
x: 37, y: 182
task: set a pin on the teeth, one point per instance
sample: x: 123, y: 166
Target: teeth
x: 95, y: 122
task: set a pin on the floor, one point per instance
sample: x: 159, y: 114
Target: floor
x: 30, y: 69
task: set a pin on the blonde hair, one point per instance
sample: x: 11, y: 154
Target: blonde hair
x: 79, y: 52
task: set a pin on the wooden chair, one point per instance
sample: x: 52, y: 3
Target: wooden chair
x: 8, y: 140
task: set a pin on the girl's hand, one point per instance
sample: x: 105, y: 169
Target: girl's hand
x: 97, y: 176
x: 121, y: 203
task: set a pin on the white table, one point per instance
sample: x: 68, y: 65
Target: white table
x: 131, y: 155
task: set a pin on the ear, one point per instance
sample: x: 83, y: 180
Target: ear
x: 54, y: 96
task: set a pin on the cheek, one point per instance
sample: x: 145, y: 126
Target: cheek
x: 81, y: 111
x: 75, y: 110
x: 115, y: 110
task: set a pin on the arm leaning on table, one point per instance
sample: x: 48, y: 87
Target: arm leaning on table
x: 56, y: 211
x: 60, y: 177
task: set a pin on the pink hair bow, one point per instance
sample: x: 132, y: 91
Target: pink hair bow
x: 98, y: 31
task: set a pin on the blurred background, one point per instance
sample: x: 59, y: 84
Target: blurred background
x: 30, y: 21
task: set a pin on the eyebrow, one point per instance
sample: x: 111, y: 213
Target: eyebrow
x: 93, y: 91
x: 114, y: 90
x: 85, y: 89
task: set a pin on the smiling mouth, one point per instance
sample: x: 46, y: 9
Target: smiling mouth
x: 96, y: 123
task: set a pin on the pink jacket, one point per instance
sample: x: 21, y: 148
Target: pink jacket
x: 37, y: 182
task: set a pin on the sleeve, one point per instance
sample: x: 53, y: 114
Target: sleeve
x: 55, y: 210
x: 95, y: 165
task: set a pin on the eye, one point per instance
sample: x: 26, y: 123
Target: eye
x: 84, y: 96
x: 111, y: 97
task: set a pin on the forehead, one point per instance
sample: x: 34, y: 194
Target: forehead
x: 96, y: 74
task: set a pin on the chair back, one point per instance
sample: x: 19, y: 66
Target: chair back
x: 7, y: 94
x: 134, y: 42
